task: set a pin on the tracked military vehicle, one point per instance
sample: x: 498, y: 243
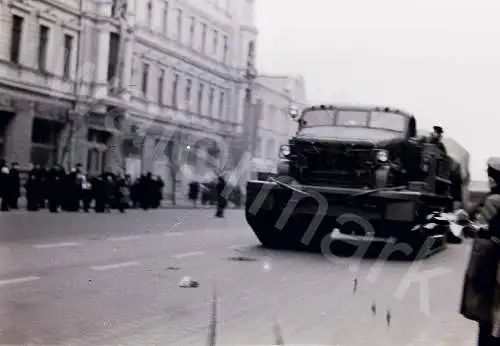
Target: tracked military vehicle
x: 362, y: 171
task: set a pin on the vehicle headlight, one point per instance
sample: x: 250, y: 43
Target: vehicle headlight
x: 382, y: 156
x: 284, y: 151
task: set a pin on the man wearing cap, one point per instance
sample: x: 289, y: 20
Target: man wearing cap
x: 436, y: 138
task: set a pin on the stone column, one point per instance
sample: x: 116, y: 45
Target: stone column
x: 102, y: 61
x: 18, y: 134
x: 126, y: 77
x: 115, y: 161
x: 147, y: 156
x: 80, y: 149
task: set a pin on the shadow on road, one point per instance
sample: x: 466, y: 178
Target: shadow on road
x: 366, y: 250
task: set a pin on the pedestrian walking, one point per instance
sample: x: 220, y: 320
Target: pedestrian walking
x: 481, y: 289
x: 193, y: 193
x: 221, y: 200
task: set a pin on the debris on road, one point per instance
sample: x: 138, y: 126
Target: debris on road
x: 355, y: 288
x: 173, y: 268
x: 388, y: 318
x: 242, y: 259
x: 267, y: 267
x: 374, y: 309
x: 188, y: 282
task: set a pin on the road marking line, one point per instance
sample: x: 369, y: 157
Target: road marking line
x: 18, y: 280
x: 169, y: 234
x: 115, y: 266
x: 50, y: 246
x: 125, y: 238
x: 188, y: 254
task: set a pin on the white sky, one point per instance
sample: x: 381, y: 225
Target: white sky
x: 438, y: 59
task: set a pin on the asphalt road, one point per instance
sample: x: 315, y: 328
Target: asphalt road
x: 111, y: 279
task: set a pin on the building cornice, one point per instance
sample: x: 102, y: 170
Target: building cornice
x: 250, y: 28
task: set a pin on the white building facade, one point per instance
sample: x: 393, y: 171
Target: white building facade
x: 275, y: 96
x: 123, y: 85
x: 188, y: 59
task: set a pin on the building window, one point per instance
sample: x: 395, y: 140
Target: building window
x: 68, y: 48
x: 164, y: 21
x: 215, y: 42
x: 43, y: 44
x: 204, y: 30
x: 187, y: 95
x: 271, y: 152
x: 133, y: 73
x: 16, y: 38
x: 175, y: 90
x: 114, y: 47
x: 145, y: 78
x: 222, y: 104
x: 161, y: 82
x: 179, y: 25
x: 201, y: 92
x: 211, y: 96
x: 258, y: 147
x: 192, y: 27
x: 251, y: 53
x: 226, y: 49
x: 150, y: 14
x: 119, y: 9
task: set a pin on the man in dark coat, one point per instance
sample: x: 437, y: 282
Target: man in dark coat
x: 221, y: 199
x: 99, y: 193
x: 194, y: 191
x: 55, y: 187
x: 38, y: 184
x: 481, y: 290
x: 32, y: 193
x: 14, y: 186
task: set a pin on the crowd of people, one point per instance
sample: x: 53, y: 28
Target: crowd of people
x: 59, y: 190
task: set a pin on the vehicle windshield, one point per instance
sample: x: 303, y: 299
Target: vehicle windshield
x: 354, y: 118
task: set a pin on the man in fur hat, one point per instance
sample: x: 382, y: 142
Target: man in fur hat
x: 481, y: 290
